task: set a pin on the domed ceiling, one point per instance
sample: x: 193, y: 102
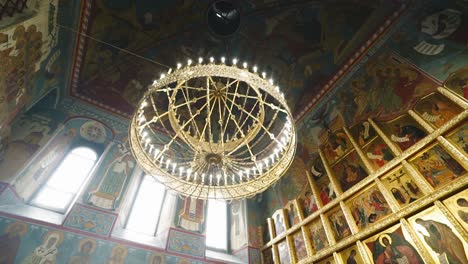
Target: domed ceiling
x: 302, y: 44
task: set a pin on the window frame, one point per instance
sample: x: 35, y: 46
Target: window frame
x: 132, y: 204
x: 228, y: 249
x: 80, y: 189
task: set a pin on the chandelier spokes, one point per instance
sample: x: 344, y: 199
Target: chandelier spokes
x: 230, y: 128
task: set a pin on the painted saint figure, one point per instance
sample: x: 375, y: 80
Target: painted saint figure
x: 351, y: 258
x: 192, y: 214
x: 392, y: 248
x: 443, y: 241
x: 11, y: 240
x: 110, y: 188
x: 407, y: 135
x: 47, y: 252
x: 118, y: 255
x: 86, y: 247
x: 309, y: 204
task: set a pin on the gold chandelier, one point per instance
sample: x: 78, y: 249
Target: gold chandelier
x: 213, y: 130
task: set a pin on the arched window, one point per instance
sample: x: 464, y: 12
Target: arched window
x: 60, y: 190
x: 146, y: 208
x: 216, y: 225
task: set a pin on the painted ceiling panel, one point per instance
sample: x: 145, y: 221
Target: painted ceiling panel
x: 302, y: 44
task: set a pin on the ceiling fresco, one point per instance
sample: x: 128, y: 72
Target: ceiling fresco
x: 302, y: 44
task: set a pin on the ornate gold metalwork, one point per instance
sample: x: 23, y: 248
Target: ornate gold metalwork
x: 384, y: 137
x: 426, y: 188
x: 421, y: 121
x: 452, y: 220
x: 361, y: 155
x: 454, y: 97
x: 331, y: 174
x: 454, y: 151
x: 387, y: 195
x: 406, y: 226
x: 214, y: 131
x: 431, y: 195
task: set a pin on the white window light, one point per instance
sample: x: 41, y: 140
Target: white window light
x: 146, y: 208
x: 63, y: 185
x: 216, y: 225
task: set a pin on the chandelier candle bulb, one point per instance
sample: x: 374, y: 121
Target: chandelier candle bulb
x: 255, y: 69
x: 179, y: 65
x: 211, y: 59
x: 264, y: 74
x: 223, y: 59
x: 234, y: 61
x: 245, y: 65
x: 200, y: 60
x: 189, y: 62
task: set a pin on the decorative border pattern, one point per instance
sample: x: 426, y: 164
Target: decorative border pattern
x: 90, y: 220
x: 186, y: 243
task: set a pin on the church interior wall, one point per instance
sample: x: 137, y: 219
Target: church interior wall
x: 391, y: 79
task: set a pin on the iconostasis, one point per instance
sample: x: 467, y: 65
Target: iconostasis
x: 383, y: 192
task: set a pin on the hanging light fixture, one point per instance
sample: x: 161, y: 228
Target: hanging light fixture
x: 214, y: 131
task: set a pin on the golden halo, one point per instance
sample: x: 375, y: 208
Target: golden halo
x: 92, y: 241
x: 22, y: 225
x: 56, y: 234
x: 124, y: 249
x: 154, y: 255
x: 381, y: 237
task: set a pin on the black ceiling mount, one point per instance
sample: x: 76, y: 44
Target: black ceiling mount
x: 223, y: 18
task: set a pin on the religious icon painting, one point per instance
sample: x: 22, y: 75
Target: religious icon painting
x: 329, y: 260
x: 458, y: 82
x: 393, y: 246
x: 283, y: 252
x: 404, y: 131
x: 338, y: 223
x: 438, y: 167
x: 267, y: 255
x: 458, y: 206
x: 378, y: 153
x: 349, y: 171
x: 266, y: 233
x: 307, y: 203
x: 362, y: 133
x: 402, y: 186
x: 351, y: 255
x: 368, y: 207
x: 278, y: 220
x: 437, y: 109
x: 299, y: 245
x: 336, y: 146
x: 318, y: 236
x: 10, y: 240
x: 460, y: 138
x: 155, y: 258
x: 326, y: 192
x: 439, y: 236
x: 293, y: 213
